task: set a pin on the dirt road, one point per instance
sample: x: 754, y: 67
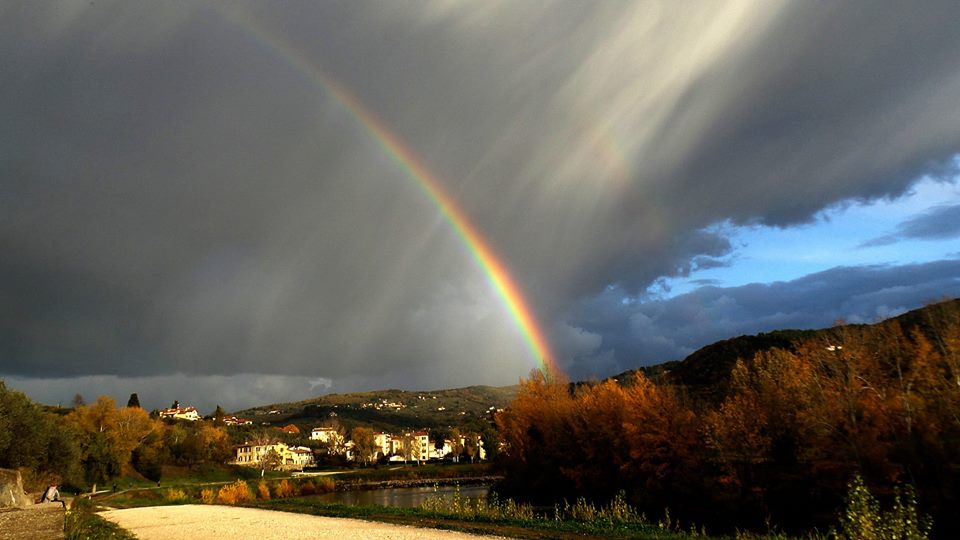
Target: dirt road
x: 203, y: 522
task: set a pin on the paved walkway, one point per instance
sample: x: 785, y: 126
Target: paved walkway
x: 202, y: 522
x: 32, y: 522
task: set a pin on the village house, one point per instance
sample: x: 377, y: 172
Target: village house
x: 253, y: 454
x: 301, y: 456
x: 234, y: 421
x: 326, y: 434
x: 422, y: 445
x: 385, y: 442
x: 391, y: 446
x: 180, y: 413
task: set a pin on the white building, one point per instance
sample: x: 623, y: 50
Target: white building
x: 181, y: 413
x: 253, y: 454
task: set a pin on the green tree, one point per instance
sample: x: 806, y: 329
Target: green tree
x: 20, y: 426
x: 471, y: 445
x: 134, y: 401
x: 218, y: 415
x: 100, y: 462
x: 150, y: 457
x: 32, y: 438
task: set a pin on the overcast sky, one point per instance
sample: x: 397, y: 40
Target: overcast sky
x: 189, y: 211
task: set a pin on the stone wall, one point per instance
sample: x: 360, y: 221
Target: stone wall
x: 11, y: 489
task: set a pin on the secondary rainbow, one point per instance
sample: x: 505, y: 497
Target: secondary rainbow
x: 494, y: 268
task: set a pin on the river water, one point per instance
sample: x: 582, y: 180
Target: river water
x: 410, y: 497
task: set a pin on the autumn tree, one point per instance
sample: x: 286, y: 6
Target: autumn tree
x: 410, y: 447
x: 537, y: 444
x: 270, y: 461
x: 207, y: 443
x: 110, y: 436
x: 664, y: 449
x: 456, y: 444
x: 364, y: 444
x: 132, y: 426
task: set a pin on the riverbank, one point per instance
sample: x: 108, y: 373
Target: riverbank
x: 348, y: 485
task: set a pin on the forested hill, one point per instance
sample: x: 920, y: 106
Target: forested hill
x: 705, y: 373
x: 390, y: 410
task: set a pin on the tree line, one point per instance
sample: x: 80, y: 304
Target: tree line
x: 96, y: 443
x: 780, y: 443
x: 91, y: 445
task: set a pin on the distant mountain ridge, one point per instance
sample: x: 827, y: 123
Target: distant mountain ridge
x: 703, y: 374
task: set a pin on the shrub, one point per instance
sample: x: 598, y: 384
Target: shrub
x: 207, y: 496
x: 263, y: 491
x: 175, y: 495
x: 325, y: 485
x: 236, y: 492
x: 308, y: 488
x: 864, y: 520
x: 284, y: 489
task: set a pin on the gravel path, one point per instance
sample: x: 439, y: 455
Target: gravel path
x: 31, y: 522
x: 202, y: 522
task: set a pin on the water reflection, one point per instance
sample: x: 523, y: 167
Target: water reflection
x: 402, y: 497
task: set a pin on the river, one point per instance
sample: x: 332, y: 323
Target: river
x: 407, y: 497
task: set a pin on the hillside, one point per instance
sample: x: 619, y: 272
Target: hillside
x: 704, y: 374
x: 390, y: 410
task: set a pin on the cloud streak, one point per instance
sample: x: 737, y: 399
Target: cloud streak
x: 938, y: 223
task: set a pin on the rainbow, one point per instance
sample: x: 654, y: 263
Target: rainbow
x: 494, y: 268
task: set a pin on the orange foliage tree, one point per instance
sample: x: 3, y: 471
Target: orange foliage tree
x: 598, y: 440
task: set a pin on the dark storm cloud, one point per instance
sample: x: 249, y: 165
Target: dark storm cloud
x: 651, y: 332
x: 180, y: 194
x: 937, y: 223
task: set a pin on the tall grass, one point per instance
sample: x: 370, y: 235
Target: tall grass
x: 468, y: 508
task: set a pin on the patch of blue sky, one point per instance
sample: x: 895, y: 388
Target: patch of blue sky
x: 769, y: 254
